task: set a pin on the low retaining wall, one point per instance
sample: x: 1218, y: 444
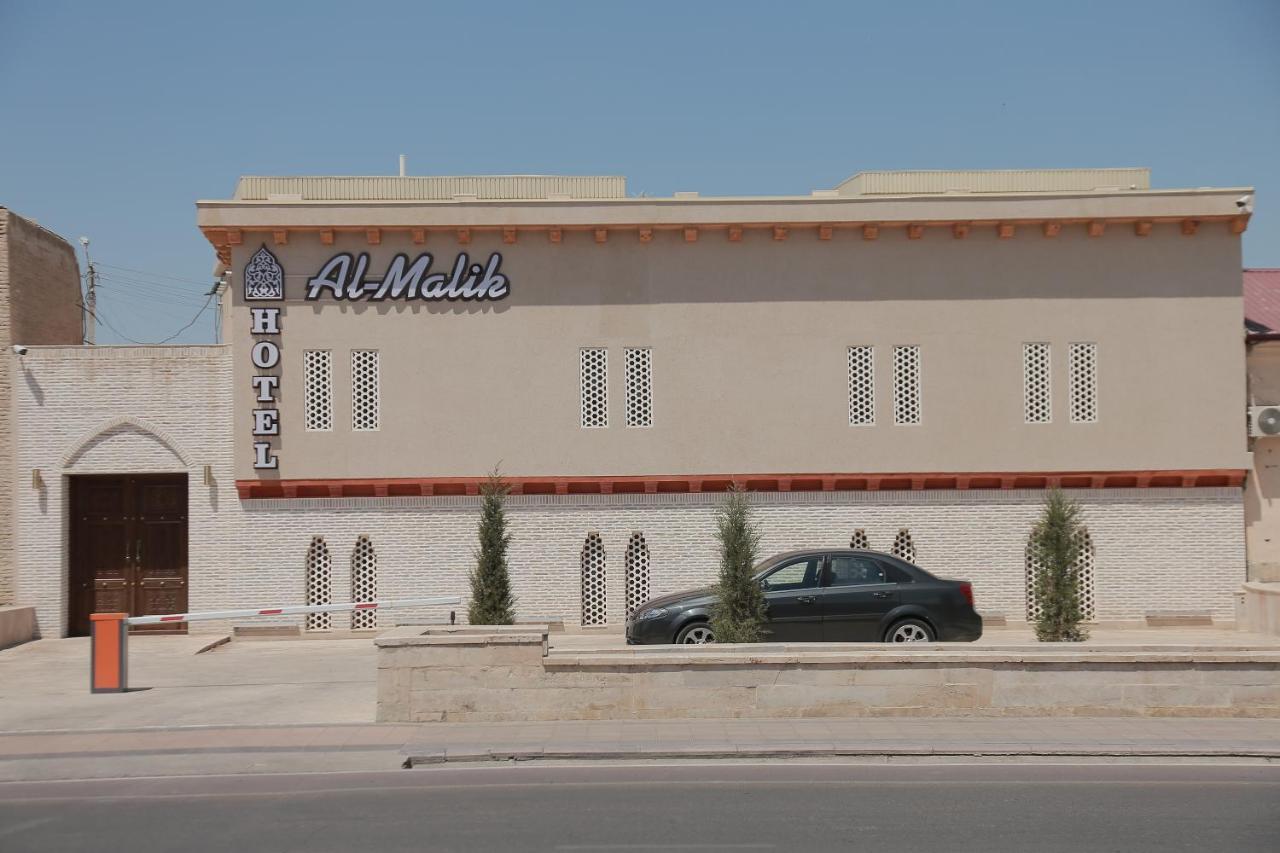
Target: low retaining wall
x: 1262, y: 607
x: 17, y: 626
x: 489, y: 675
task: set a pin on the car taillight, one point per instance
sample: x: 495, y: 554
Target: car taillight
x: 966, y: 589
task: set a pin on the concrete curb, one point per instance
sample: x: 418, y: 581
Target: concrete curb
x: 454, y: 756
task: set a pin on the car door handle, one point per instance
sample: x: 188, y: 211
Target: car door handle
x: 879, y: 595
x: 805, y: 599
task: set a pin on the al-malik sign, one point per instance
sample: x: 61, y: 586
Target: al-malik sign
x: 343, y: 277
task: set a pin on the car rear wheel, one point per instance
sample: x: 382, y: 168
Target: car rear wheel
x: 697, y: 634
x: 910, y: 631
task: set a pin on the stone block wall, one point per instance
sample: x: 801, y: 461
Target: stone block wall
x: 427, y: 675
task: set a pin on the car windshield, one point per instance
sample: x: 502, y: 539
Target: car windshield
x: 767, y: 565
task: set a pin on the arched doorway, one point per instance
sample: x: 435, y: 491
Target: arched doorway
x: 128, y: 547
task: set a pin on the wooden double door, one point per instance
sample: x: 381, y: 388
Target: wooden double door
x: 128, y: 548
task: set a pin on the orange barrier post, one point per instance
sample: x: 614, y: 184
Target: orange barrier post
x: 109, y: 660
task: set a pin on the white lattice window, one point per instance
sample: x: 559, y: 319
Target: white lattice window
x: 364, y: 390
x: 639, y: 387
x: 364, y: 583
x: 319, y: 583
x: 637, y: 572
x: 906, y: 385
x: 903, y: 546
x: 862, y: 386
x: 317, y: 389
x: 859, y: 540
x: 594, y: 382
x: 1082, y: 368
x: 1037, y: 396
x: 1081, y: 569
x: 594, y: 601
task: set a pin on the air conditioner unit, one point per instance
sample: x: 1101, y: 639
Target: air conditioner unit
x: 1264, y: 421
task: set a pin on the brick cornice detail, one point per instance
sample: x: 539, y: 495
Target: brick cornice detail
x: 453, y: 486
x: 223, y: 238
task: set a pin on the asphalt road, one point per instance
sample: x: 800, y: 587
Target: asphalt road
x: 716, y: 807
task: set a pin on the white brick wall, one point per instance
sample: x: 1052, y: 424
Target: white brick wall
x: 102, y: 410
x: 1156, y: 548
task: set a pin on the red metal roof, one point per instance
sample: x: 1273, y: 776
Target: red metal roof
x: 1262, y: 299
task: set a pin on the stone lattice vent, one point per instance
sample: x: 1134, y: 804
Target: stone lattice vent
x: 906, y: 385
x: 364, y: 583
x: 317, y: 389
x: 862, y: 386
x: 639, y: 363
x: 364, y: 390
x: 1037, y: 394
x: 595, y: 610
x: 319, y: 583
x: 637, y: 572
x: 904, y: 548
x: 1082, y: 370
x: 594, y: 382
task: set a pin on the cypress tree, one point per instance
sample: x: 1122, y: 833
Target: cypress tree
x: 738, y: 615
x: 1053, y: 551
x: 491, y: 599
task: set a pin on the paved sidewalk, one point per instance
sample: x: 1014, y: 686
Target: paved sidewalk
x: 45, y: 684
x: 27, y: 756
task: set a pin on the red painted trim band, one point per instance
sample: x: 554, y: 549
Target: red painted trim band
x: 679, y: 484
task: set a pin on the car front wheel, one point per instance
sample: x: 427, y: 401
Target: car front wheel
x: 697, y: 634
x: 910, y: 631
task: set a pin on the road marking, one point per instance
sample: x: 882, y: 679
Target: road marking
x: 753, y: 783
x: 667, y: 847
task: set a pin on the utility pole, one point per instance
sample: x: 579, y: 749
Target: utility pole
x: 91, y: 296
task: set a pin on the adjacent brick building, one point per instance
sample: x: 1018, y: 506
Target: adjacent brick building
x: 39, y: 304
x: 1262, y: 490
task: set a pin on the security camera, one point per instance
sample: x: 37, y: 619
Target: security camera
x: 1245, y: 203
x: 19, y: 349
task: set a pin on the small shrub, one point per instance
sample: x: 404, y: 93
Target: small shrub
x: 1054, y: 551
x: 738, y: 615
x: 491, y: 600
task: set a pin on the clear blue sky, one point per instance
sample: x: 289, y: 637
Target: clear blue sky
x: 115, y: 117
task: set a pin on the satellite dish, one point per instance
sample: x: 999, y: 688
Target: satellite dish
x: 1269, y: 421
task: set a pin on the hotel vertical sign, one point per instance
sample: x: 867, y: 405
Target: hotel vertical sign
x: 264, y: 281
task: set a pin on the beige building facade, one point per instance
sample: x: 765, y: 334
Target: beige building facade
x: 907, y: 361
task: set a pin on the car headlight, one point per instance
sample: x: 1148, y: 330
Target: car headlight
x: 653, y: 613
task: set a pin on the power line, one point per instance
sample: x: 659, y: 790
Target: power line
x: 151, y: 286
x: 126, y: 290
x: 99, y: 318
x: 193, y: 320
x: 153, y: 274
x: 97, y: 315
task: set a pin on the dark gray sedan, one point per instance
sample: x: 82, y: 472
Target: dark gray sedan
x: 827, y: 595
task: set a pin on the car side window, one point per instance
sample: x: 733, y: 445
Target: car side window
x: 856, y: 571
x: 798, y: 574
x: 894, y: 574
